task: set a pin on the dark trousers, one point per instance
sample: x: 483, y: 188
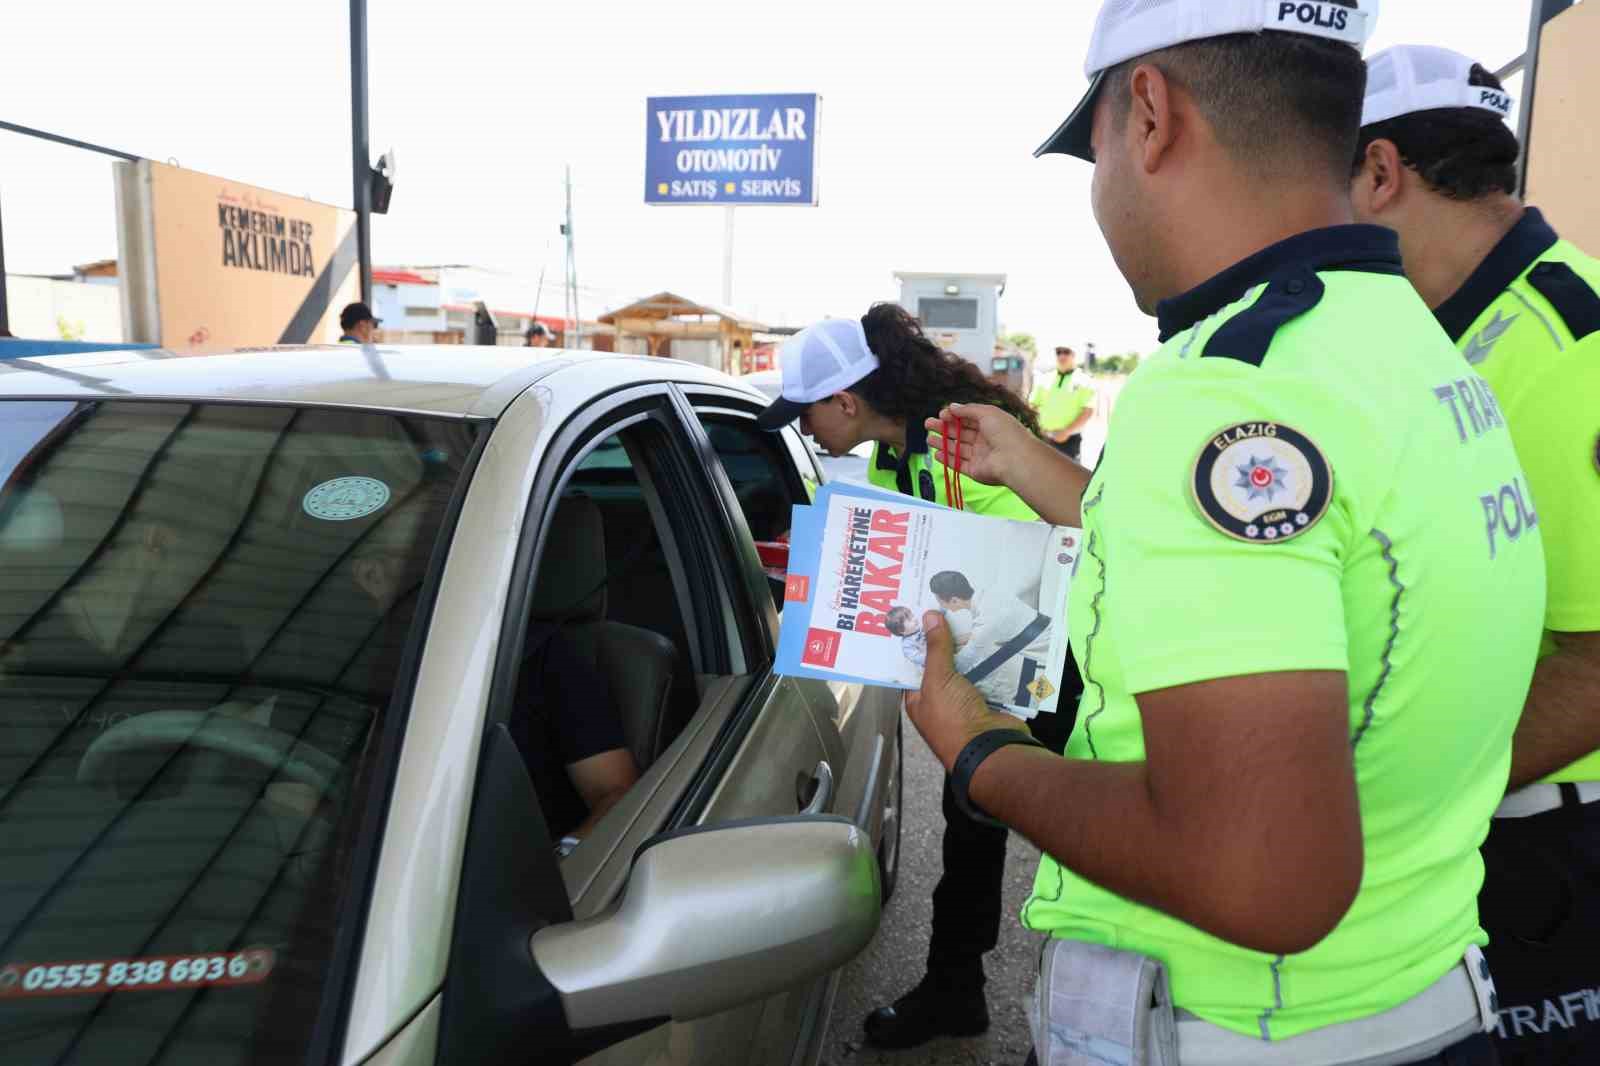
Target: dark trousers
x: 966, y: 902
x: 1541, y: 907
x: 1072, y: 447
x: 1473, y: 1051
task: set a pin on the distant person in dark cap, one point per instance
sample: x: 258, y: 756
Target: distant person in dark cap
x: 358, y: 324
x: 538, y: 336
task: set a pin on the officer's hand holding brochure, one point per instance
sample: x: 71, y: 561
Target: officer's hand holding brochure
x: 865, y: 564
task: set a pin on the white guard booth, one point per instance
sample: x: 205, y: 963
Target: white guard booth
x: 960, y: 312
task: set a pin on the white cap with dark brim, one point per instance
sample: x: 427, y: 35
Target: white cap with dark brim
x: 1412, y: 78
x: 1124, y: 31
x: 818, y: 362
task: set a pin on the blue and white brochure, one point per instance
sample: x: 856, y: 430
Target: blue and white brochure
x: 864, y: 565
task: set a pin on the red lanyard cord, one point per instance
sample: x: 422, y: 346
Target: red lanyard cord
x: 951, y: 460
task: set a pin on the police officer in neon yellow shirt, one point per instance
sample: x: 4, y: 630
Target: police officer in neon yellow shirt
x: 1304, y: 648
x: 1065, y: 403
x: 877, y: 380
x: 1437, y: 162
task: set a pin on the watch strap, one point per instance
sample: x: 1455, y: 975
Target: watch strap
x: 978, y: 749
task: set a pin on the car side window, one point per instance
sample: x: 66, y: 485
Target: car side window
x: 609, y: 659
x: 762, y: 473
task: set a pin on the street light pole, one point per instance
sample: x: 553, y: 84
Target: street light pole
x: 5, y: 313
x: 362, y: 162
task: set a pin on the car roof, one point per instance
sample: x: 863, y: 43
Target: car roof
x: 457, y: 380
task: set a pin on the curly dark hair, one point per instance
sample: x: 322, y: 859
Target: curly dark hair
x: 916, y: 378
x: 1464, y: 153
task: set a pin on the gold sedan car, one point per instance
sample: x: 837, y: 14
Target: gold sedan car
x: 307, y: 657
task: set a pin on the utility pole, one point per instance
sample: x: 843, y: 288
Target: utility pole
x: 572, y: 272
x: 5, y: 313
x: 361, y: 164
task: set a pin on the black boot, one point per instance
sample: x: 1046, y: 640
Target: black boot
x: 936, y: 1007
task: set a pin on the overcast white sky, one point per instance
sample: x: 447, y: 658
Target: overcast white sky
x: 931, y: 110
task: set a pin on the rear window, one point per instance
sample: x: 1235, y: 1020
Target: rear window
x: 203, y: 615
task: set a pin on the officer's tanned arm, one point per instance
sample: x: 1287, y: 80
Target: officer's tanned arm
x: 997, y: 450
x: 1561, y: 723
x: 1242, y: 820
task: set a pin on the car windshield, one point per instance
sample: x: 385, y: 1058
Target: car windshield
x: 204, y: 611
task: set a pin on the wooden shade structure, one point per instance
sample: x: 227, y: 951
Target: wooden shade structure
x: 666, y: 316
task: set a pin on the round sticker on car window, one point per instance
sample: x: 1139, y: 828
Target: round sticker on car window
x: 345, y: 498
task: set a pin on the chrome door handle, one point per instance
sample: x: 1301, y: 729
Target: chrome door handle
x: 822, y: 797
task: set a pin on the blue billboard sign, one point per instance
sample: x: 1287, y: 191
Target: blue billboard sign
x: 731, y: 150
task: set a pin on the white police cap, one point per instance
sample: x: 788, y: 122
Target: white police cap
x: 1418, y: 77
x: 819, y: 361
x: 1129, y: 28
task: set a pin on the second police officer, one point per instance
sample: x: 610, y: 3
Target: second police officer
x: 1438, y: 163
x: 1304, y: 654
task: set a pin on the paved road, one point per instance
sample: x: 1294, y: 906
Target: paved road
x: 894, y: 961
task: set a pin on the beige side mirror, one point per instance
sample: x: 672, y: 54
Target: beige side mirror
x: 716, y: 917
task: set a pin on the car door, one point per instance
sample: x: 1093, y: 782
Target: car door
x: 761, y: 477
x: 676, y: 572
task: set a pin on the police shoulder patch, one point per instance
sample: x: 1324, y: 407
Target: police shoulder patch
x: 1262, y: 482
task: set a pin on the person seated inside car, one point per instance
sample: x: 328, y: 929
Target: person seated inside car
x: 567, y: 727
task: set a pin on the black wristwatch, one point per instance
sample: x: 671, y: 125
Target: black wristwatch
x: 978, y: 749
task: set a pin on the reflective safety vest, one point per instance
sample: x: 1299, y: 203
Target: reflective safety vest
x: 1528, y: 319
x: 1062, y: 399
x: 1268, y: 510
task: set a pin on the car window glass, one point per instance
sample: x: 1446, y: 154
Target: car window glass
x: 759, y: 470
x: 606, y: 679
x: 202, y: 616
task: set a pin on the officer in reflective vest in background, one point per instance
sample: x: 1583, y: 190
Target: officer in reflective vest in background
x: 1438, y: 163
x: 1065, y: 402
x: 1304, y: 652
x: 877, y: 379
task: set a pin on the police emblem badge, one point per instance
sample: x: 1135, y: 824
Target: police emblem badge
x: 1262, y: 482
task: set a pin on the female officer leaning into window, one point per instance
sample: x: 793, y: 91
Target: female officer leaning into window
x: 877, y: 379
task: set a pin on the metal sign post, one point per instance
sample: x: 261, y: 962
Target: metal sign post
x: 362, y: 162
x: 727, y: 258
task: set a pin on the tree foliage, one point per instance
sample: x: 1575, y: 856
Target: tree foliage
x: 1024, y: 341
